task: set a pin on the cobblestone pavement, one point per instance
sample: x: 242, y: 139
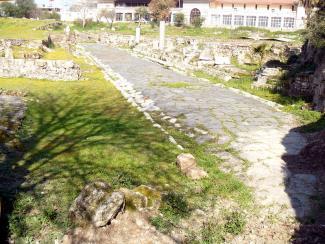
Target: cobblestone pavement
x: 260, y: 133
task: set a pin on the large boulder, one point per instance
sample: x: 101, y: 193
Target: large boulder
x: 97, y: 204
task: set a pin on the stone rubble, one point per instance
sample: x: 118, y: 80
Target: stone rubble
x: 40, y: 69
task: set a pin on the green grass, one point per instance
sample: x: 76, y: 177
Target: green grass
x: 11, y: 28
x: 76, y: 132
x: 219, y: 33
x: 180, y: 84
x: 311, y: 120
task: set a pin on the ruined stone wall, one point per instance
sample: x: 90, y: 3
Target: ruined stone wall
x: 40, y: 69
x: 309, y: 81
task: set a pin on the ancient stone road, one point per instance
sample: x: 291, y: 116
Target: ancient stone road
x: 261, y: 134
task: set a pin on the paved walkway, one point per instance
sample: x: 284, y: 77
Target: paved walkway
x: 262, y: 135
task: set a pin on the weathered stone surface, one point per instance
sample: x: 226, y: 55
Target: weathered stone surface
x: 310, y: 81
x: 206, y: 55
x: 196, y: 173
x: 187, y: 164
x: 153, y: 196
x: 222, y: 60
x: 185, y: 161
x: 108, y: 209
x: 40, y: 69
x: 134, y: 200
x: 96, y: 204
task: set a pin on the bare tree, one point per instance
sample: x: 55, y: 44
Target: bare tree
x: 109, y: 15
x: 84, y: 6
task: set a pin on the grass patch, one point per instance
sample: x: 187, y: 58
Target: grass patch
x: 76, y: 132
x: 179, y: 84
x: 315, y: 120
x: 11, y: 28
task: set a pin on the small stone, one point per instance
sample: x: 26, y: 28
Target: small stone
x: 185, y: 161
x: 196, y: 173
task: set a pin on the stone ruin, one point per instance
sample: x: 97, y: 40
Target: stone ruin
x: 31, y: 66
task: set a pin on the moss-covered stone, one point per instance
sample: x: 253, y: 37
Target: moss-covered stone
x: 134, y: 200
x: 153, y: 196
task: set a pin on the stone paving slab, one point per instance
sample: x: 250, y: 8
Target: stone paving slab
x: 262, y: 133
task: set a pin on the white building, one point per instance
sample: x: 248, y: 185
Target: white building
x: 270, y: 14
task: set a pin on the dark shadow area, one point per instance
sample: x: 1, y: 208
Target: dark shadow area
x: 306, y: 184
x: 52, y: 151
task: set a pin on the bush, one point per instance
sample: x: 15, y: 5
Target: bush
x: 315, y: 31
x: 179, y: 19
x: 197, y: 22
x: 8, y: 9
x: 50, y: 15
x: 22, y: 8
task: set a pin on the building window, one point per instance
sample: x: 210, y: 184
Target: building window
x: 195, y: 13
x: 136, y: 17
x: 222, y: 5
x: 251, y: 21
x: 288, y: 22
x: 128, y: 16
x: 215, y: 19
x: 119, y: 16
x: 276, y: 22
x: 239, y: 20
x: 263, y: 21
x: 226, y: 19
x: 280, y: 7
x: 268, y: 7
x: 255, y: 6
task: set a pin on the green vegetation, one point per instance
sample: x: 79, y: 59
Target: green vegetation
x: 197, y: 22
x: 76, y: 132
x: 315, y: 31
x: 19, y: 9
x: 22, y: 28
x: 291, y: 105
x: 179, y: 19
x: 180, y: 84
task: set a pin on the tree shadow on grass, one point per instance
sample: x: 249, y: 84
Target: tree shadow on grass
x: 70, y: 141
x: 306, y: 185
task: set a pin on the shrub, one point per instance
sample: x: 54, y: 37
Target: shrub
x: 179, y: 19
x: 315, y: 31
x: 8, y: 9
x: 197, y: 22
x: 50, y: 15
